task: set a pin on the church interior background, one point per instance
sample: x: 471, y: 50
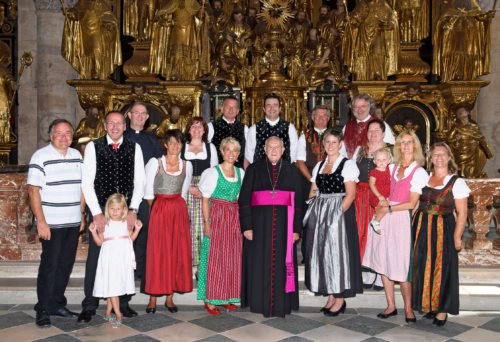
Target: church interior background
x: 421, y: 60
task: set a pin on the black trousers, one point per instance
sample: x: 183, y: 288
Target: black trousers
x: 56, y: 263
x: 90, y: 302
x: 140, y: 244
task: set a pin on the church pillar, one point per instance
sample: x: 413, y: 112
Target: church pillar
x: 47, y: 93
x: 487, y: 112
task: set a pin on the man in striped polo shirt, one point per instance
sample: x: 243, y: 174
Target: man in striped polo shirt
x: 55, y: 197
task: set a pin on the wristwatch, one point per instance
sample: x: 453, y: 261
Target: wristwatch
x: 135, y: 211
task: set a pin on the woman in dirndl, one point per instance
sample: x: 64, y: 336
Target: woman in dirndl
x: 438, y: 238
x: 202, y: 155
x: 168, y: 257
x: 219, y: 279
x: 363, y: 156
x: 333, y: 266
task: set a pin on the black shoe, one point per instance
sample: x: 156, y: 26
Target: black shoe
x: 324, y: 309
x: 172, y: 309
x: 430, y: 315
x: 151, y: 309
x: 367, y: 286
x: 129, y: 312
x: 336, y: 313
x: 440, y: 322
x: 410, y: 320
x: 64, y: 312
x: 378, y: 288
x: 384, y: 315
x: 85, y: 316
x: 42, y: 319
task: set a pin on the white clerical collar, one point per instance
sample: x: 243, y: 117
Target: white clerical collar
x: 110, y: 141
x: 365, y: 120
x: 273, y: 123
x: 226, y: 120
x: 320, y: 131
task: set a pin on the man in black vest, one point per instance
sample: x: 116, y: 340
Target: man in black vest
x: 151, y: 149
x: 310, y: 151
x: 271, y: 125
x: 112, y: 164
x: 228, y: 126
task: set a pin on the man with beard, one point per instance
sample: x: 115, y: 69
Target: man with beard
x: 219, y: 21
x: 271, y: 220
x: 251, y: 17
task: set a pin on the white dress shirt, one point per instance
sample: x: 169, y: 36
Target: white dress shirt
x: 89, y: 172
x: 251, y: 142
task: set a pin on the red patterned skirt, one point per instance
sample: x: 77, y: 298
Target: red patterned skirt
x: 168, y: 258
x: 224, y: 260
x: 364, y: 214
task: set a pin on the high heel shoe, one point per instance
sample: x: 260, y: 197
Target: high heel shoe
x: 410, y: 320
x: 324, y: 309
x: 214, y: 311
x: 151, y: 309
x: 172, y: 309
x: 336, y: 313
x: 440, y: 322
x: 384, y: 315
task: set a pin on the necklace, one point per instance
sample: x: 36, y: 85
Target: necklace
x: 273, y: 185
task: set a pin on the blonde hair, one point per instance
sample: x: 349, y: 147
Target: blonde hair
x: 452, y: 165
x: 418, y: 155
x: 116, y: 199
x: 229, y: 141
x: 384, y: 150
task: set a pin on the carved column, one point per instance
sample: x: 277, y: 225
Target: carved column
x: 55, y: 98
x: 482, y: 212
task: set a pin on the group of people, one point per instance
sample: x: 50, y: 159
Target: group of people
x: 234, y: 200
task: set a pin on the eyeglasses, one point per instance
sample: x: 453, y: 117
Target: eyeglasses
x: 139, y: 113
x: 407, y: 142
x: 358, y: 107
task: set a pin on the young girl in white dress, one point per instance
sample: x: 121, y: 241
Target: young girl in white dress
x: 115, y: 268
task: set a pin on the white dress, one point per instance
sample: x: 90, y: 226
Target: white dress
x: 115, y: 268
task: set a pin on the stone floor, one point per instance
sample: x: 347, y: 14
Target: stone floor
x: 192, y: 323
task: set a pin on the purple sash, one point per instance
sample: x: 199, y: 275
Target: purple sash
x: 279, y: 197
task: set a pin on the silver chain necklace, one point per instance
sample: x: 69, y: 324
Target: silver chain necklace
x: 273, y: 186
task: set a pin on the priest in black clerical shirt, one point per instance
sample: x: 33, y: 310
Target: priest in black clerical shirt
x: 271, y: 220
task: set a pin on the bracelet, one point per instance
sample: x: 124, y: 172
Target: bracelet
x: 390, y: 209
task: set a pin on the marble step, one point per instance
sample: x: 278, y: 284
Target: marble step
x: 479, y: 289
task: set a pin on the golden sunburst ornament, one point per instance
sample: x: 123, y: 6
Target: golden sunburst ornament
x: 275, y: 12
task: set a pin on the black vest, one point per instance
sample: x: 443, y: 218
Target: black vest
x: 311, y: 157
x: 333, y: 182
x: 199, y: 165
x: 264, y: 130
x: 223, y: 130
x: 114, y: 170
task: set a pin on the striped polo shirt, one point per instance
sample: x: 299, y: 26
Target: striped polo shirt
x: 59, y: 179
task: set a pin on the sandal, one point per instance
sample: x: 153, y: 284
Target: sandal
x: 110, y: 318
x: 116, y: 324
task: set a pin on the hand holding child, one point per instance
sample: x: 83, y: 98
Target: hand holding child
x: 93, y: 228
x: 138, y: 224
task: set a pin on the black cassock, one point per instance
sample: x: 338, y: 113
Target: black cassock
x: 264, y: 269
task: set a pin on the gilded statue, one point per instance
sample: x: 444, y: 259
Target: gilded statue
x: 230, y: 5
x: 469, y: 146
x: 462, y: 41
x: 241, y: 33
x: 91, y: 40
x: 372, y: 47
x: 414, y: 18
x: 297, y: 36
x: 180, y: 47
x: 174, y: 121
x: 219, y: 21
x: 90, y: 127
x: 7, y: 88
x: 408, y: 126
x: 318, y: 63
x: 138, y: 18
